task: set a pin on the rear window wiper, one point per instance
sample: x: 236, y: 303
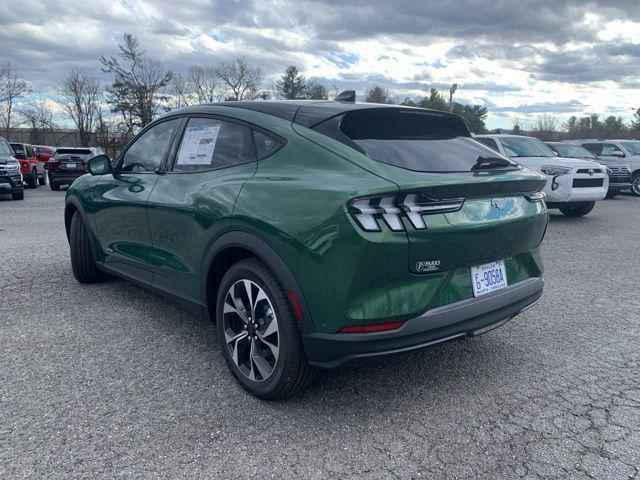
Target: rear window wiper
x: 485, y: 163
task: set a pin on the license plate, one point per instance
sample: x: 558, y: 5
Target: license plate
x: 71, y: 165
x: 488, y: 278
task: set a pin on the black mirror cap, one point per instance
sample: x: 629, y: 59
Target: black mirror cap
x: 99, y: 165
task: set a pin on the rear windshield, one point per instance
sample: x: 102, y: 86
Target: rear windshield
x: 416, y: 140
x: 73, y: 151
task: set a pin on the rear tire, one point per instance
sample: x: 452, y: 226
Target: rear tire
x: 271, y: 375
x: 83, y: 261
x: 613, y: 194
x: 54, y: 185
x: 18, y: 196
x: 635, y: 185
x: 42, y: 180
x: 32, y: 180
x: 577, y: 209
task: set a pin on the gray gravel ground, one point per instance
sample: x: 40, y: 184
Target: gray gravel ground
x: 109, y: 380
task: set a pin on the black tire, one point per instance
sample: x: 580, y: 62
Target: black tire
x: 83, y: 261
x: 613, y: 193
x: 635, y: 185
x: 32, y: 180
x: 577, y: 209
x: 291, y: 372
x: 18, y: 196
x: 42, y: 180
x: 54, y: 185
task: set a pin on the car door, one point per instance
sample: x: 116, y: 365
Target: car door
x: 192, y: 204
x: 121, y: 199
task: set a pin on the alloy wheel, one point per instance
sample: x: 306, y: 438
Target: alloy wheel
x: 636, y: 185
x: 251, y: 330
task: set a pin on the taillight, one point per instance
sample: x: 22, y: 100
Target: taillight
x: 391, y: 208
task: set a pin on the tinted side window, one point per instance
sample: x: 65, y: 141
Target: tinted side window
x: 489, y: 142
x: 147, y: 151
x: 266, y: 145
x: 208, y: 143
x: 595, y: 148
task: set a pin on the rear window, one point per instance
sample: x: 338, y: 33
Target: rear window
x: 73, y: 151
x: 414, y: 140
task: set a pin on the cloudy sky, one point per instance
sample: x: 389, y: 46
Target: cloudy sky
x: 519, y: 58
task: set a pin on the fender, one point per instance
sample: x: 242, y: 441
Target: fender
x: 268, y: 255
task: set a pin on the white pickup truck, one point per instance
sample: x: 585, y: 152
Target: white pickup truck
x: 573, y: 186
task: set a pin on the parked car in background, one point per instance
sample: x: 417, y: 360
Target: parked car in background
x: 316, y: 233
x: 622, y: 151
x: 10, y: 175
x: 44, y: 153
x: 619, y: 174
x: 573, y: 185
x: 33, y: 172
x: 69, y: 163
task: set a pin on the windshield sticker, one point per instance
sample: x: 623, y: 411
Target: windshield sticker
x: 198, y: 144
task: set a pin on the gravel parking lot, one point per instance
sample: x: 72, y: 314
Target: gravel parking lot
x: 110, y: 380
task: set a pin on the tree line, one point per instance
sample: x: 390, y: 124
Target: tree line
x: 548, y: 127
x: 109, y: 115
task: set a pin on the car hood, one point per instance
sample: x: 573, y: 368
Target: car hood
x: 7, y: 159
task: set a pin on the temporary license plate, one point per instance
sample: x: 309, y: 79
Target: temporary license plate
x: 488, y: 278
x: 71, y: 165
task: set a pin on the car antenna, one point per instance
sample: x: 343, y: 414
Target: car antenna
x: 346, y: 96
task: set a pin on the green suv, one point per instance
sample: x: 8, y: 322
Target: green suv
x: 315, y: 233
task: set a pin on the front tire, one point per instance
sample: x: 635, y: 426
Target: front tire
x: 635, y: 185
x: 577, y: 209
x: 42, y: 180
x: 83, y: 261
x: 612, y: 194
x: 54, y: 185
x: 258, y: 334
x: 18, y: 196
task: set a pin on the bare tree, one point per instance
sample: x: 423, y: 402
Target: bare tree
x: 80, y: 94
x: 240, y: 79
x: 205, y: 84
x: 12, y: 87
x: 40, y: 115
x: 545, y: 127
x: 138, y: 87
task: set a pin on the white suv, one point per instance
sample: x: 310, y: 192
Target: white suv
x: 573, y: 185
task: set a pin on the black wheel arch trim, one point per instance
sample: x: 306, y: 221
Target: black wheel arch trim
x: 263, y: 251
x: 73, y: 201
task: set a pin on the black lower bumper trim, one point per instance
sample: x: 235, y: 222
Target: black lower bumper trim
x: 470, y: 317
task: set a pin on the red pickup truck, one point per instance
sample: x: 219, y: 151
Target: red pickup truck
x: 32, y: 170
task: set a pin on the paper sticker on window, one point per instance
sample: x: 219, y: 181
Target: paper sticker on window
x: 198, y: 144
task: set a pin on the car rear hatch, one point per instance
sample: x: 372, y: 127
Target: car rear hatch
x: 70, y: 161
x: 459, y: 202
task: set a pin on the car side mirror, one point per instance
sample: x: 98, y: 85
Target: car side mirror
x: 99, y: 165
x: 618, y: 154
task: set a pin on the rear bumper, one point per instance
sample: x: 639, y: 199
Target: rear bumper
x: 64, y: 178
x: 466, y: 318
